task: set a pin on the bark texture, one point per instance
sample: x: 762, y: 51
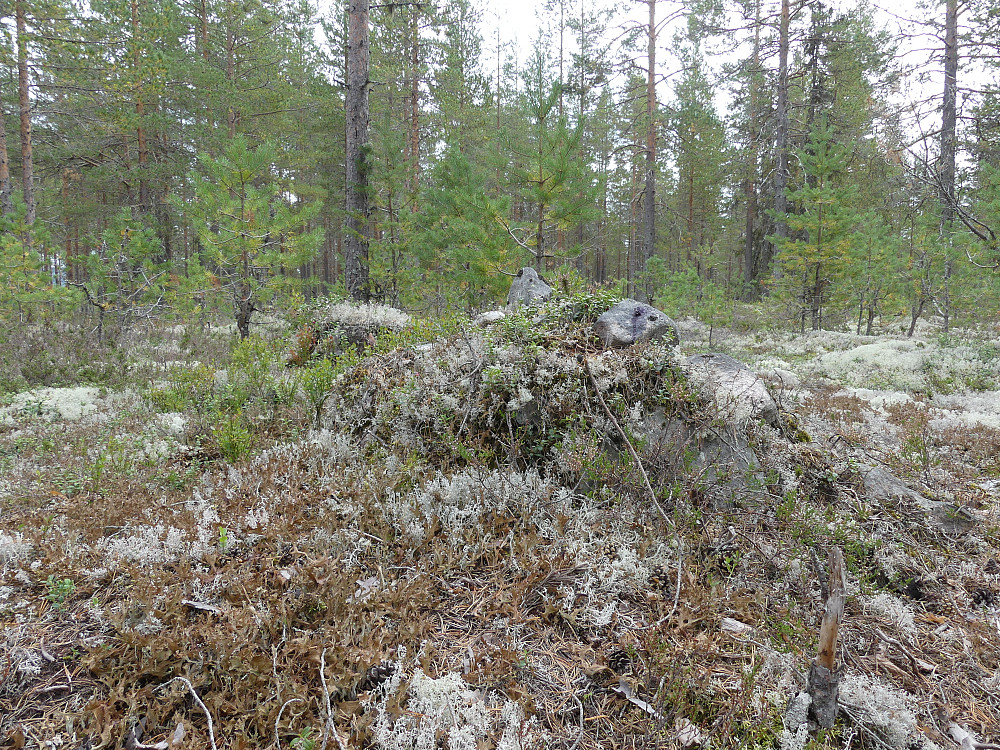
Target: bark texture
x: 824, y: 677
x: 781, y: 136
x: 649, y: 192
x: 357, y: 153
x: 24, y: 106
x: 6, y: 201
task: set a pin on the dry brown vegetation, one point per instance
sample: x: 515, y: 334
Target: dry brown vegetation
x: 461, y: 553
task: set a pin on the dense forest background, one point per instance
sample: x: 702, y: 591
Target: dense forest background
x: 186, y: 155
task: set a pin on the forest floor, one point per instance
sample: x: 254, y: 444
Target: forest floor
x: 199, y: 553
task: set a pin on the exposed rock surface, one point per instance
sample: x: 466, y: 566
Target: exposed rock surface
x: 740, y: 394
x: 527, y: 289
x: 723, y: 455
x: 881, y: 485
x: 629, y: 322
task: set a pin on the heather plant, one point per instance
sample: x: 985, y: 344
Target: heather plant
x: 250, y: 366
x: 329, y: 327
x: 186, y: 388
x: 54, y: 352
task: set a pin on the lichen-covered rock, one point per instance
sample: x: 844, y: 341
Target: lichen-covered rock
x: 629, y: 322
x: 527, y: 288
x: 737, y: 391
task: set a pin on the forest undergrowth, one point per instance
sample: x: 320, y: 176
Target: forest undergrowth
x: 354, y: 529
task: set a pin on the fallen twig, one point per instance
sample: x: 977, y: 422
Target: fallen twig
x: 326, y: 700
x: 901, y: 647
x: 201, y: 705
x: 680, y: 565
x: 576, y: 742
x: 277, y: 741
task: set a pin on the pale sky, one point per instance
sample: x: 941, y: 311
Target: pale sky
x: 518, y: 23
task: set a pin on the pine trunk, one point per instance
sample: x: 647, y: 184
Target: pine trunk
x: 649, y: 193
x: 415, y: 111
x: 949, y: 126
x: 781, y: 140
x: 751, y: 252
x: 6, y: 190
x: 357, y: 153
x: 24, y: 105
x: 140, y: 113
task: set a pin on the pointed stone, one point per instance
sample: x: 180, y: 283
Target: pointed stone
x: 528, y: 288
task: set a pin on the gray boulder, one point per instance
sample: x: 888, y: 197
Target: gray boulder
x: 527, y: 289
x: 629, y: 322
x: 738, y: 393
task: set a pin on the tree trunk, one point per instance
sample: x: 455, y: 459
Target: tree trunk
x: 357, y: 153
x: 24, y: 104
x: 68, y: 260
x: 140, y: 112
x: 6, y: 190
x: 632, y: 258
x: 203, y: 17
x: 824, y: 676
x: 949, y: 123
x: 649, y: 193
x: 751, y: 259
x: 415, y: 110
x: 781, y: 139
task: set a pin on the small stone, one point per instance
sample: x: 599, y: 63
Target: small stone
x: 629, y: 322
x: 488, y: 318
x: 729, y: 625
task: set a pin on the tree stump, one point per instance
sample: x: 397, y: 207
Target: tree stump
x: 824, y: 676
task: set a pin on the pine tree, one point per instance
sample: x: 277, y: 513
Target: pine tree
x: 701, y: 156
x: 551, y: 182
x: 248, y: 227
x: 820, y: 236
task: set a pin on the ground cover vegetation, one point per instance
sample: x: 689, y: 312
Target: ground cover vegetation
x: 365, y: 529
x: 265, y: 483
